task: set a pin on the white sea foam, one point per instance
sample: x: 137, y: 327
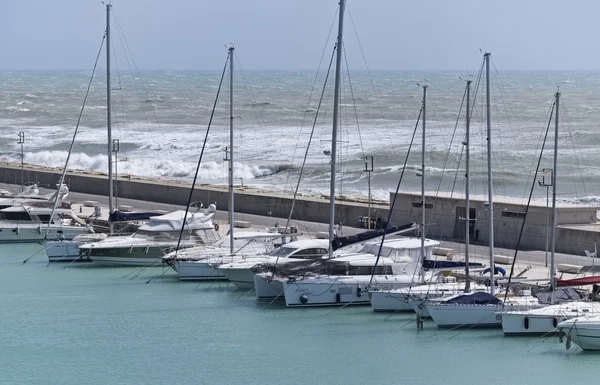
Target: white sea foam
x: 17, y: 109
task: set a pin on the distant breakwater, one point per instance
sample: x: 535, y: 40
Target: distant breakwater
x: 248, y: 200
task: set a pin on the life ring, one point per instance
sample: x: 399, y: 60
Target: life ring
x: 216, y: 227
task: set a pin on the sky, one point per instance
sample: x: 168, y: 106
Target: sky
x: 288, y: 35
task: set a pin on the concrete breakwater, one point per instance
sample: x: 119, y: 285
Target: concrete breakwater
x: 248, y: 200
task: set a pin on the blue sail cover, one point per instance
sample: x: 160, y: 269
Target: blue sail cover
x: 120, y: 216
x: 448, y: 265
x: 339, y: 242
x: 477, y: 298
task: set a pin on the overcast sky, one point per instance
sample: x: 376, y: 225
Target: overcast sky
x: 290, y: 34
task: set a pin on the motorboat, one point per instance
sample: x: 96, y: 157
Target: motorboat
x: 583, y: 331
x: 241, y: 272
x: 159, y: 236
x: 202, y: 262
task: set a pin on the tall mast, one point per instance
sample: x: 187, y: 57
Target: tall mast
x: 489, y: 164
x: 231, y: 193
x: 108, y: 117
x: 554, y: 219
x: 423, y: 178
x: 336, y: 99
x: 467, y: 197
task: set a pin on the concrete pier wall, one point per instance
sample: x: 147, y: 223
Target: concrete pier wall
x: 247, y: 200
x: 445, y: 219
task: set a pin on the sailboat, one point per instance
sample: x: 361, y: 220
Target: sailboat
x: 347, y: 274
x: 478, y: 309
x: 411, y: 298
x: 545, y: 319
x: 202, y: 262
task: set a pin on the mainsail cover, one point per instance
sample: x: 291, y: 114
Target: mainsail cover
x: 477, y: 298
x: 120, y: 216
x: 340, y: 242
x: 578, y: 281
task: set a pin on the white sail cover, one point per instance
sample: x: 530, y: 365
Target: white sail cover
x: 173, y: 221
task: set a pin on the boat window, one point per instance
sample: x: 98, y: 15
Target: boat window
x: 44, y: 218
x: 282, y: 251
x: 16, y: 216
x: 310, y: 253
x: 339, y: 269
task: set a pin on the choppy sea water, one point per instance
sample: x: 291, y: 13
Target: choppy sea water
x: 89, y: 325
x: 161, y: 117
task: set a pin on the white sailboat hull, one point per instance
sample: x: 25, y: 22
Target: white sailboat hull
x: 107, y: 260
x: 24, y: 233
x: 390, y: 301
x: 241, y: 278
x: 267, y: 288
x: 450, y: 316
x: 545, y: 320
x: 198, y: 271
x: 64, y: 251
x: 338, y: 290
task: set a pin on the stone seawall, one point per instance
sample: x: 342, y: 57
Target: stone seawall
x: 247, y: 200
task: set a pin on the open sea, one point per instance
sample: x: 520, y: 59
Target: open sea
x: 161, y: 118
x: 79, y: 324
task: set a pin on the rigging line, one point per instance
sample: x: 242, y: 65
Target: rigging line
x: 370, y: 77
x: 568, y: 124
x: 497, y: 155
x: 123, y: 38
x: 537, y: 170
x: 62, y: 177
x: 306, y: 110
x: 120, y: 123
x: 445, y: 164
x: 246, y: 83
x: 387, y: 223
x: 354, y: 103
x: 212, y: 114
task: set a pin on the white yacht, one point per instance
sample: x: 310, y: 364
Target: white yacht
x: 270, y: 284
x: 565, y: 304
x: 347, y: 281
x: 201, y: 262
x: 476, y: 309
x: 158, y: 236
x: 583, y: 331
x: 401, y: 268
x: 68, y: 250
x: 27, y: 223
x: 406, y: 299
x: 241, y: 272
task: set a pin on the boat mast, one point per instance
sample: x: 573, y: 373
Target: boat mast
x: 423, y: 178
x: 554, y: 219
x: 231, y: 193
x: 108, y: 117
x: 467, y: 192
x: 489, y: 164
x: 336, y: 99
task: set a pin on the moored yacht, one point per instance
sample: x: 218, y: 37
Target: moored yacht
x: 583, y: 331
x: 33, y: 224
x: 201, y: 262
x: 151, y: 241
x: 241, y: 272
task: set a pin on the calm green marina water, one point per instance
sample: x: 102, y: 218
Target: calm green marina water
x: 86, y: 325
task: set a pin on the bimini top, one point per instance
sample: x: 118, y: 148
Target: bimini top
x: 174, y: 221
